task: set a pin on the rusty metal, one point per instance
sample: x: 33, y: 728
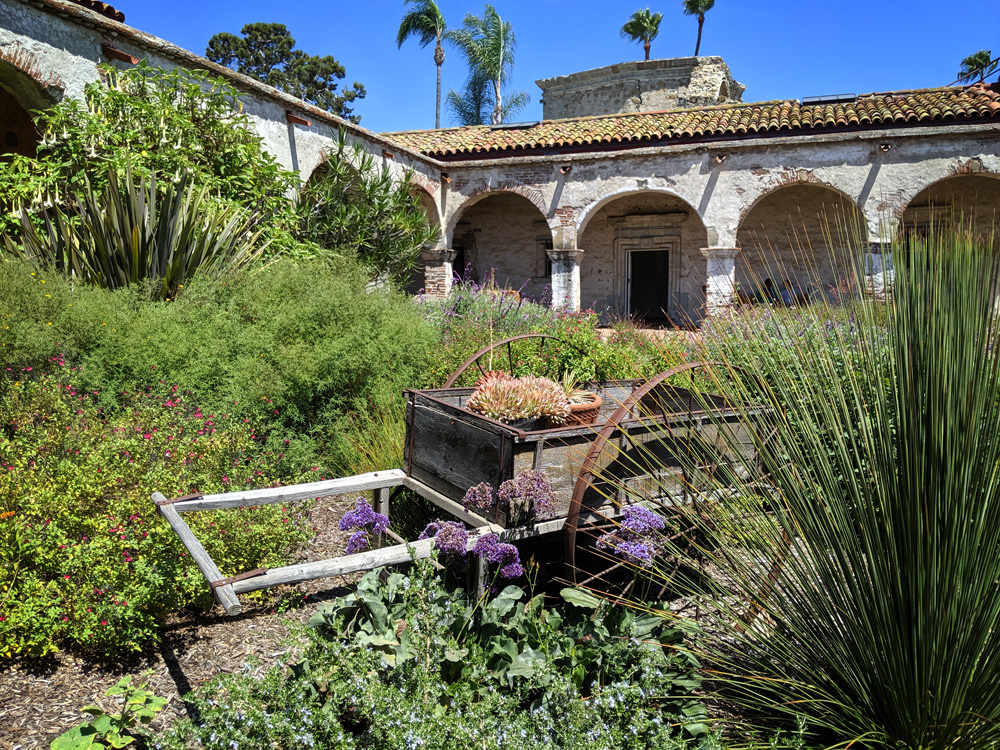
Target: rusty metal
x: 474, y: 359
x: 615, y: 422
x: 238, y: 577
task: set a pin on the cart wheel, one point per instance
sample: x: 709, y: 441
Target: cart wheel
x: 482, y: 360
x: 637, y: 457
x: 616, y: 465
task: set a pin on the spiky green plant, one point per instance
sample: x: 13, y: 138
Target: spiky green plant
x: 853, y: 575
x: 131, y: 234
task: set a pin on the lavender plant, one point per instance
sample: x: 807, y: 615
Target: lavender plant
x: 364, y: 520
x: 636, y: 539
x: 502, y: 556
x: 478, y: 497
x: 528, y: 492
x: 450, y: 537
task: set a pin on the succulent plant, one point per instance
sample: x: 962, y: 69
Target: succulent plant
x: 508, y: 399
x: 574, y: 393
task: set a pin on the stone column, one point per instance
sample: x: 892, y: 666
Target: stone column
x: 565, y: 279
x: 878, y: 269
x: 720, y: 279
x: 438, y: 273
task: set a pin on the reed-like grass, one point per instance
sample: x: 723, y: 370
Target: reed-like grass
x: 853, y: 577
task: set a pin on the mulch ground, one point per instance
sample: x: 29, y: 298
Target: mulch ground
x: 41, y: 699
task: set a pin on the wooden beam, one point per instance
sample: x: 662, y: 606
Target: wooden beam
x: 457, y: 510
x: 293, y: 118
x: 344, y: 486
x: 223, y: 594
x: 117, y: 54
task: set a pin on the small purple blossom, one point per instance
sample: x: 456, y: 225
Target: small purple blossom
x: 358, y: 542
x: 479, y: 497
x: 641, y: 520
x: 528, y: 490
x: 501, y: 554
x: 363, y: 520
x: 450, y: 537
x: 635, y: 538
x: 364, y: 517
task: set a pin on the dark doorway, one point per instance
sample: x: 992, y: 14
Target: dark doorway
x: 649, y: 273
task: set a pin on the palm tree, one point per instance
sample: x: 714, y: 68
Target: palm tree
x: 474, y: 104
x: 642, y: 26
x: 698, y: 8
x: 426, y: 23
x: 980, y: 64
x: 487, y: 44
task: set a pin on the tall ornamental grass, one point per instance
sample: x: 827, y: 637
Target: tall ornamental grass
x: 853, y: 575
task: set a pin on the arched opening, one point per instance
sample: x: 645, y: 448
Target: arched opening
x: 19, y: 94
x: 804, y: 235
x: 968, y: 202
x: 642, y: 259
x: 504, y: 236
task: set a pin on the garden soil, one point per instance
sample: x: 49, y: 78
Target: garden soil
x: 41, y: 699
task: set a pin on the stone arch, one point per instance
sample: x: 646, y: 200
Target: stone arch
x: 585, y: 214
x: 23, y: 88
x: 642, y: 257
x: 790, y: 178
x: 804, y: 231
x: 969, y: 198
x: 427, y: 203
x: 503, y: 235
x: 485, y: 191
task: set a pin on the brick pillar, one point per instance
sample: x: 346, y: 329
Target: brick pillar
x: 720, y: 279
x: 878, y: 269
x: 565, y: 279
x: 438, y: 272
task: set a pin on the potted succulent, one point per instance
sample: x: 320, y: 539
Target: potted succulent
x: 584, y: 405
x: 525, y: 403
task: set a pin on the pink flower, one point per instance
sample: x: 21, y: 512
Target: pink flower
x: 66, y: 576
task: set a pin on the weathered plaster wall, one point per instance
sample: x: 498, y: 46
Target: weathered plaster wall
x: 804, y: 233
x: 507, y: 234
x: 642, y: 86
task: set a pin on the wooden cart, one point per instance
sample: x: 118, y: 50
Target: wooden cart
x: 630, y: 454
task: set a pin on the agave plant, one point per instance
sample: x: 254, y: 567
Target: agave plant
x: 856, y: 563
x: 136, y: 233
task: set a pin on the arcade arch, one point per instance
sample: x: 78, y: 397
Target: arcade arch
x: 641, y: 258
x: 505, y: 234
x: 968, y: 201
x: 803, y: 233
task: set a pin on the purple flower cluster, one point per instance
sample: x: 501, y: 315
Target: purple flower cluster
x: 500, y: 554
x: 635, y: 538
x: 479, y: 497
x: 528, y: 490
x: 450, y: 537
x: 365, y: 520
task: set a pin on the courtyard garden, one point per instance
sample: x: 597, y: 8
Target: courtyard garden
x: 159, y: 334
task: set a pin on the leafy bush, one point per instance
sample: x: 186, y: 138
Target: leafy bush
x: 140, y: 707
x: 352, y: 206
x: 161, y: 122
x: 302, y: 349
x: 405, y: 663
x: 126, y: 236
x: 474, y: 316
x: 85, y: 561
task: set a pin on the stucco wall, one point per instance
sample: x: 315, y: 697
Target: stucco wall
x: 505, y: 233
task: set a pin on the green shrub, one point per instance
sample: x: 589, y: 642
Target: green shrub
x: 405, y: 663
x: 85, y: 561
x: 298, y: 348
x: 130, y: 235
x: 161, y: 122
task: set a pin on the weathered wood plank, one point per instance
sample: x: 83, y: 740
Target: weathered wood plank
x: 223, y: 594
x: 377, y: 558
x: 455, y: 509
x: 343, y: 486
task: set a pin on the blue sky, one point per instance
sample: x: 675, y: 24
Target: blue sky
x: 780, y: 49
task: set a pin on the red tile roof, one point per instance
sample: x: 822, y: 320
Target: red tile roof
x: 103, y: 8
x: 894, y: 108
